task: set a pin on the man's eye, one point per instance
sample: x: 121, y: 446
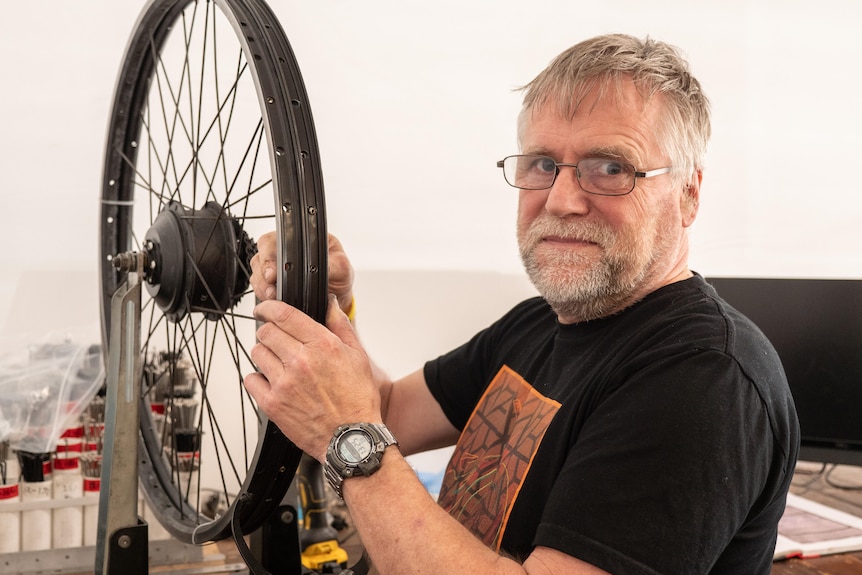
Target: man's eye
x: 610, y: 168
x: 546, y: 165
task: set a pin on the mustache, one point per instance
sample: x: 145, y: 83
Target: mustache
x: 545, y: 225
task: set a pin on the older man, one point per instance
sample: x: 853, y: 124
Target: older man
x: 627, y: 421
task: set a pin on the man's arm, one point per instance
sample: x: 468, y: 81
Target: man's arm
x: 405, y: 531
x: 314, y: 379
x: 414, y: 416
x: 314, y: 375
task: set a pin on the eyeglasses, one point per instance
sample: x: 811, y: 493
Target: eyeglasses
x: 600, y: 176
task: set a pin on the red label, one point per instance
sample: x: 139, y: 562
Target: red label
x: 73, y: 432
x: 9, y: 491
x: 69, y: 446
x: 158, y: 408
x: 184, y: 455
x: 66, y: 463
x: 92, y: 429
x: 92, y: 484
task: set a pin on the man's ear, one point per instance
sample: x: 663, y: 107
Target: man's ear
x: 690, y: 199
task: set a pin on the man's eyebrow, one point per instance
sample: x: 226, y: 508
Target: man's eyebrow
x: 538, y: 151
x: 611, y: 152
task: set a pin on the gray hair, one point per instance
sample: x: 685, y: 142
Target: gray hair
x: 655, y: 67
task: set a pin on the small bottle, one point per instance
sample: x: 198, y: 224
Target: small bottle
x: 36, y: 485
x: 68, y: 521
x: 10, y: 521
x: 91, y: 471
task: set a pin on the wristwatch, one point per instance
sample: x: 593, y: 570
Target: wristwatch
x: 355, y: 449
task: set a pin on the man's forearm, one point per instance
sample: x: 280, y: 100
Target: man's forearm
x: 405, y: 531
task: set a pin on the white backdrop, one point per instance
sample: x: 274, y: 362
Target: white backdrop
x: 413, y: 104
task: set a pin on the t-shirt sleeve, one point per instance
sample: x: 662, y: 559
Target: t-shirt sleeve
x: 665, y: 471
x: 458, y: 379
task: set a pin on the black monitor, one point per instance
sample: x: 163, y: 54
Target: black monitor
x: 816, y: 327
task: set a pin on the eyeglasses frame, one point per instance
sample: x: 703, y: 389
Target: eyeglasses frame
x: 558, y: 165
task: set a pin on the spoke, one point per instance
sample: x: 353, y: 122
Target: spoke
x: 240, y: 345
x: 197, y: 141
x: 174, y: 99
x: 256, y: 141
x: 214, y: 423
x: 199, y: 362
x: 260, y: 217
x: 223, y: 103
x: 219, y: 312
x: 225, y: 491
x: 221, y: 130
x: 230, y: 336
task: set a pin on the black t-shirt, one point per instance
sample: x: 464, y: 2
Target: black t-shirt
x: 658, y: 440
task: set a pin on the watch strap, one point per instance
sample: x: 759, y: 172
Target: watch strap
x: 336, y: 470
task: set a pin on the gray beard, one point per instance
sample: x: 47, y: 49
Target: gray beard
x: 578, y: 287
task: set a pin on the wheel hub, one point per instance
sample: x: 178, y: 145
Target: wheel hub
x: 197, y: 261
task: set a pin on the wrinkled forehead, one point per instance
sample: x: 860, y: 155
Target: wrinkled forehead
x: 569, y: 100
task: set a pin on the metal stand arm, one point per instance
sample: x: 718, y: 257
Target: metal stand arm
x: 122, y: 539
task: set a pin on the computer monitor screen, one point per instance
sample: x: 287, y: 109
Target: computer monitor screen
x: 816, y: 327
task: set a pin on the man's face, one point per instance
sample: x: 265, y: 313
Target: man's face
x: 588, y: 255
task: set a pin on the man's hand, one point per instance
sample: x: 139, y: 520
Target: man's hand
x: 312, y: 378
x: 263, y: 266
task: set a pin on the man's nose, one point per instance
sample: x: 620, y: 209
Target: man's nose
x: 566, y: 197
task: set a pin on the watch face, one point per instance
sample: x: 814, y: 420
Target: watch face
x: 354, y: 446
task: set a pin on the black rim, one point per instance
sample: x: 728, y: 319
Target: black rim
x: 211, y: 143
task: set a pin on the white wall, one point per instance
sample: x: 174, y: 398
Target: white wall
x: 423, y: 93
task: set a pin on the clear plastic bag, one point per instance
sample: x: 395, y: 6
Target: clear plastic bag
x: 44, y: 388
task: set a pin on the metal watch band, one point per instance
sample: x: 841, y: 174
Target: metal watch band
x: 336, y: 470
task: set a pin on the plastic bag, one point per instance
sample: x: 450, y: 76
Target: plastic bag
x: 44, y: 388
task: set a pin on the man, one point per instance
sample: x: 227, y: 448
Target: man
x: 628, y: 421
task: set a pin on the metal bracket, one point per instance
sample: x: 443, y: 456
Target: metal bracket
x: 121, y: 542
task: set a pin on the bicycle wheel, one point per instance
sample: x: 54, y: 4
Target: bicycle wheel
x: 211, y: 143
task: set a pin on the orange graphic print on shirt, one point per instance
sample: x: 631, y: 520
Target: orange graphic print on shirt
x: 494, y: 454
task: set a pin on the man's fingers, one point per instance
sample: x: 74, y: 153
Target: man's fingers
x: 263, y: 264
x: 257, y: 385
x: 339, y: 324
x: 267, y: 361
x: 292, y: 321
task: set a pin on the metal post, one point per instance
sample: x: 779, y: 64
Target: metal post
x: 121, y: 543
